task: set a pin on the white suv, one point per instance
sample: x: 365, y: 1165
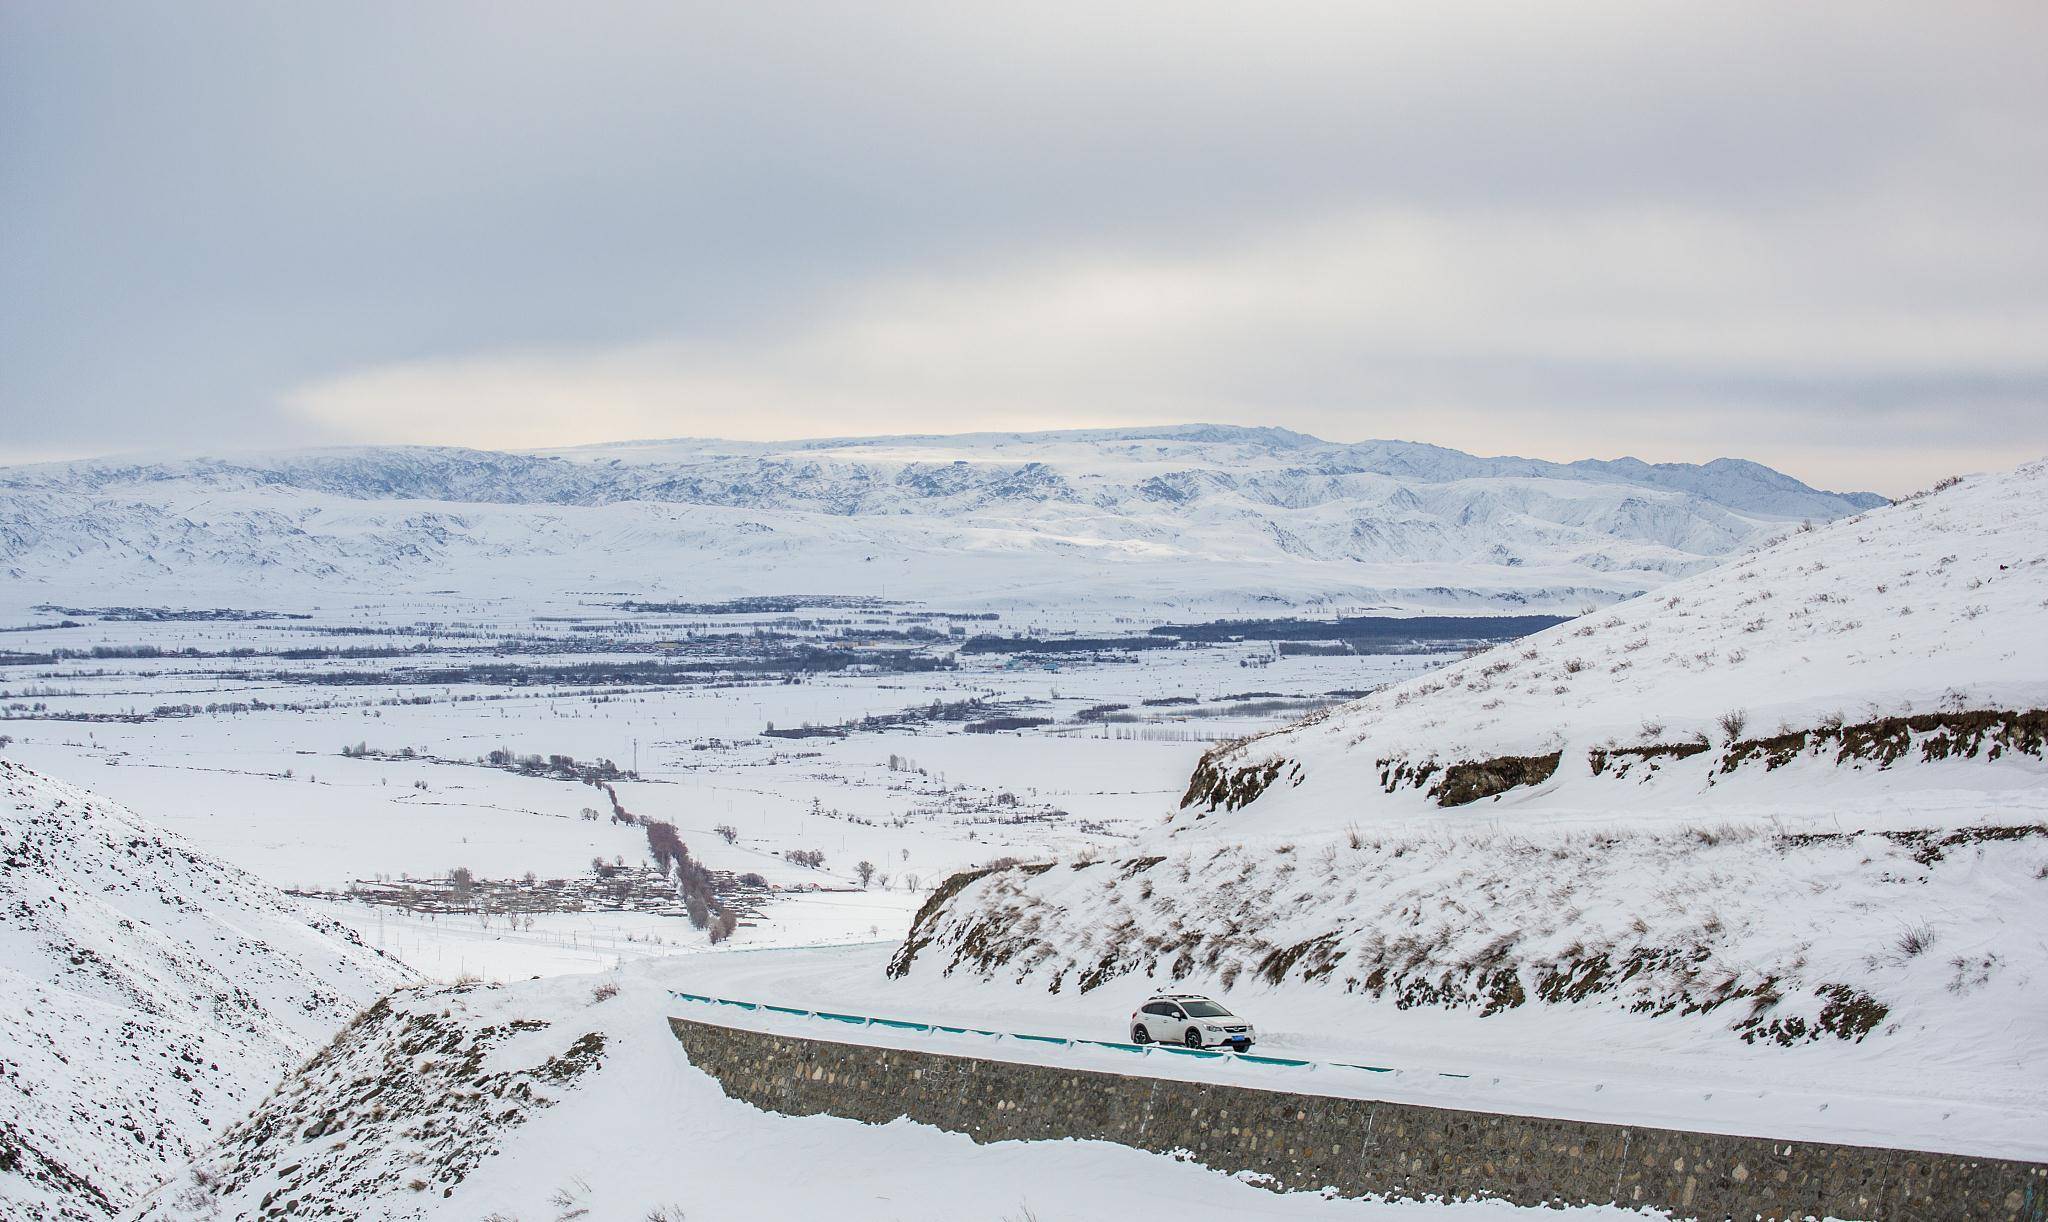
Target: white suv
x: 1185, y: 1018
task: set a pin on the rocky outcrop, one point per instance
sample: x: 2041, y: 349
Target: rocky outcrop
x: 1987, y: 734
x: 1217, y: 785
x: 1468, y: 780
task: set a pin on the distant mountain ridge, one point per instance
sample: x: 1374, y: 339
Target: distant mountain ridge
x: 1292, y: 517
x: 601, y: 475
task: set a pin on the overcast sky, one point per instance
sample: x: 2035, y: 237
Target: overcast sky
x: 1808, y: 234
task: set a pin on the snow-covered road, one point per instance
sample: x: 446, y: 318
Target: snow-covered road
x: 1529, y: 1062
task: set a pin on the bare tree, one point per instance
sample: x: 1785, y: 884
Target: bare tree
x: 866, y: 871
x: 1732, y: 723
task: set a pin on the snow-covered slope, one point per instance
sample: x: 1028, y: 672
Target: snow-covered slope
x: 1196, y: 513
x: 148, y: 995
x: 1892, y: 653
x: 1795, y: 808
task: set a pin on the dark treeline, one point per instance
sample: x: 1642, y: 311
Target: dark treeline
x: 694, y: 881
x: 767, y: 605
x: 1064, y: 644
x: 1386, y: 629
x: 792, y: 662
x: 165, y: 615
x: 146, y: 652
x: 937, y: 710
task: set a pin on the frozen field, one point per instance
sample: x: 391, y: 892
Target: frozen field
x: 232, y: 732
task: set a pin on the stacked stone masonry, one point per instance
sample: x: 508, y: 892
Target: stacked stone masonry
x: 1361, y: 1147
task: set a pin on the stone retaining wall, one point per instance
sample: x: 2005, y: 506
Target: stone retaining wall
x: 1361, y: 1147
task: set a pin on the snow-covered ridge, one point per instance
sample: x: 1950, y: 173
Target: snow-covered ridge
x: 148, y: 994
x: 863, y: 475
x: 1791, y: 810
x: 1919, y: 625
x: 1734, y: 932
x: 1194, y: 512
x: 425, y: 1088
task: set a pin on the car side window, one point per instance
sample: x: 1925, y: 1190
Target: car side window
x: 1160, y: 1008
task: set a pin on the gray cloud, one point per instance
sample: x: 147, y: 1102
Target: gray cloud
x: 1805, y: 234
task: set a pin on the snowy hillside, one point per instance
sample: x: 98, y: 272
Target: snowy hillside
x: 1223, y: 516
x: 1888, y: 653
x: 1789, y: 813
x: 148, y: 995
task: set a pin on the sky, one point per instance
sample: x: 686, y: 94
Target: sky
x: 1806, y: 234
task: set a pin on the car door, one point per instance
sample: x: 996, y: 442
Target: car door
x: 1162, y: 1021
x: 1176, y: 1024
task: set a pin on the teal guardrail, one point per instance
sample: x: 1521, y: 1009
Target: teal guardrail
x: 1141, y: 1049
x: 898, y: 1024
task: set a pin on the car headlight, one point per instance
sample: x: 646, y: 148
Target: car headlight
x: 1213, y: 1027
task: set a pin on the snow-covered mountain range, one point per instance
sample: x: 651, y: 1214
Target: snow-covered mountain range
x: 148, y: 995
x: 1194, y: 513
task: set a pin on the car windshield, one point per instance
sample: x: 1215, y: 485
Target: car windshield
x: 1204, y: 1009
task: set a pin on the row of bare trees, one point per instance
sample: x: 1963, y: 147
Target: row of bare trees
x: 692, y: 878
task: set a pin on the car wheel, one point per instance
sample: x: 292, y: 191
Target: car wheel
x: 1139, y: 1035
x: 1194, y: 1038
